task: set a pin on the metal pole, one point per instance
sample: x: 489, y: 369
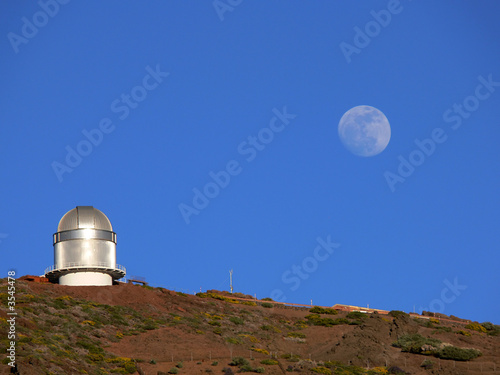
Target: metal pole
x: 231, y: 280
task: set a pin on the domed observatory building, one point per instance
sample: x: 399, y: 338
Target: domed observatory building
x: 85, y: 250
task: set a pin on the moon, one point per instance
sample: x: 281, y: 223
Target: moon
x: 364, y: 130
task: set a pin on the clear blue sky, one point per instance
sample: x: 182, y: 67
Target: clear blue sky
x: 172, y: 91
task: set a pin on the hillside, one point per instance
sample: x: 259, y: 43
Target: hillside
x: 128, y: 329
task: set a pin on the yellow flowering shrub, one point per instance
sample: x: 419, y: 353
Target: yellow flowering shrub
x: 322, y: 370
x: 476, y: 327
x: 119, y: 360
x: 262, y: 351
x: 250, y: 337
x: 65, y: 298
x: 379, y: 370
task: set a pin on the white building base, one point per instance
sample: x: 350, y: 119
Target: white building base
x: 86, y: 278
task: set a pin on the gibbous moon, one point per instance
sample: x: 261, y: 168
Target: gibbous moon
x: 364, y: 130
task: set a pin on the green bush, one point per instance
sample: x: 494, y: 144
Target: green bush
x: 149, y: 326
x: 317, y: 320
x: 233, y: 340
x: 246, y: 368
x: 332, y: 364
x: 239, y: 361
x: 321, y: 370
x: 356, y: 315
x: 267, y: 299
x: 270, y: 328
x: 92, y: 348
x: 291, y: 357
x: 491, y: 329
x: 429, y: 324
x: 269, y: 362
x: 173, y: 370
x: 488, y: 325
x: 267, y: 305
x: 236, y: 320
x: 215, y: 363
x: 95, y: 357
x: 415, y: 343
x: 260, y: 370
x: 458, y: 354
x: 130, y: 367
x: 322, y: 310
x: 313, y: 317
x: 412, y: 343
x: 397, y: 313
x: 179, y: 365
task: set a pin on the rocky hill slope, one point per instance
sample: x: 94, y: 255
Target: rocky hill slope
x: 127, y: 329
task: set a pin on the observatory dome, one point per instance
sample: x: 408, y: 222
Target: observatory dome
x: 84, y: 249
x: 84, y: 217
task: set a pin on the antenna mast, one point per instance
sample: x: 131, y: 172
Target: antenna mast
x: 231, y: 280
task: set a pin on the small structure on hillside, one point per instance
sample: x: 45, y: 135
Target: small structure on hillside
x: 35, y: 279
x: 350, y: 308
x: 137, y: 280
x: 85, y: 250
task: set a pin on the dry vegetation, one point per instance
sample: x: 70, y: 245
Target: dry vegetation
x: 128, y: 329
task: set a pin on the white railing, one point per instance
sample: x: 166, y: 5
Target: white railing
x: 84, y: 265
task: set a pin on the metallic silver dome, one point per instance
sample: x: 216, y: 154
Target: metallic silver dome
x: 84, y: 217
x: 84, y: 249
